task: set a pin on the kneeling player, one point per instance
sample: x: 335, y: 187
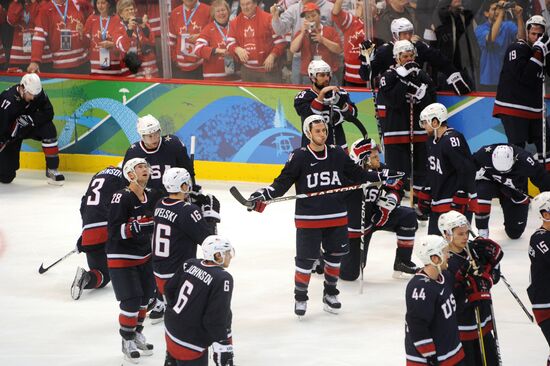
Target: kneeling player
x: 431, y: 332
x: 475, y: 264
x: 199, y: 307
x: 94, y: 210
x: 381, y: 210
x: 538, y: 290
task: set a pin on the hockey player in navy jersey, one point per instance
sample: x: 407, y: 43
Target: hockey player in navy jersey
x: 381, y: 210
x: 381, y: 57
x: 128, y: 249
x: 27, y: 113
x: 451, y: 171
x: 331, y: 102
x: 402, y: 86
x: 518, y: 102
x: 161, y: 152
x: 320, y: 221
x: 431, y: 332
x: 476, y: 267
x: 199, y: 307
x: 503, y: 172
x: 538, y: 290
x: 94, y: 210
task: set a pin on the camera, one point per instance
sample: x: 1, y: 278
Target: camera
x: 311, y: 27
x: 280, y: 9
x: 509, y: 5
x: 138, y: 20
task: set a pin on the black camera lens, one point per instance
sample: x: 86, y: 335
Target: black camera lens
x: 138, y: 20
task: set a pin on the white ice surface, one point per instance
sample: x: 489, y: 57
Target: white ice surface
x: 41, y: 325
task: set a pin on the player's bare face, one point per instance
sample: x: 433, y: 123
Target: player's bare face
x: 405, y: 57
x: 535, y: 32
x: 221, y: 15
x: 405, y: 35
x: 428, y: 127
x: 374, y: 160
x: 322, y: 79
x: 227, y: 256
x: 152, y: 140
x: 318, y: 135
x: 460, y: 238
x: 248, y: 7
x: 142, y: 173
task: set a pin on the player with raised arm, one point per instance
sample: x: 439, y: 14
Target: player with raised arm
x: 27, y: 113
x: 538, y: 290
x: 94, y: 210
x: 320, y: 221
x: 381, y: 210
x: 329, y: 101
x: 431, y: 332
x: 476, y: 267
x: 451, y: 171
x: 128, y: 251
x: 503, y: 171
x: 199, y: 307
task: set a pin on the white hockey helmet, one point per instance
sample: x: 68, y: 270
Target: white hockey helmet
x: 130, y: 167
x: 535, y: 20
x: 216, y: 244
x: 400, y: 25
x: 32, y: 84
x: 310, y: 121
x: 434, y: 110
x: 428, y: 246
x: 147, y: 125
x: 541, y: 203
x: 450, y: 220
x: 361, y: 150
x: 503, y: 158
x: 317, y: 66
x: 173, y: 178
x: 402, y: 46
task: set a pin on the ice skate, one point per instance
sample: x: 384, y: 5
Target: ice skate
x: 157, y: 314
x: 145, y: 349
x: 403, y: 268
x: 421, y: 218
x: 130, y: 350
x: 332, y: 305
x: 81, y: 279
x: 54, y: 177
x: 300, y: 308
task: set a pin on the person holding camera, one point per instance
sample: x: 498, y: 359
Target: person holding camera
x: 101, y: 31
x: 186, y: 23
x: 136, y: 42
x: 494, y: 36
x: 316, y: 42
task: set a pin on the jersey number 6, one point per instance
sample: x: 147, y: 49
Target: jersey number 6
x: 185, y: 291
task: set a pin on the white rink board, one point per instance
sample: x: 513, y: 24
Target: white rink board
x: 42, y: 325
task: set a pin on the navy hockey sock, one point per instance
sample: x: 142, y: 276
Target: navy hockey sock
x: 128, y: 317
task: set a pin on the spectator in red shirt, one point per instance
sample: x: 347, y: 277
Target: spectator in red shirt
x: 252, y: 40
x: 2, y: 53
x: 58, y: 25
x: 186, y: 23
x: 211, y: 45
x: 316, y: 42
x: 101, y: 32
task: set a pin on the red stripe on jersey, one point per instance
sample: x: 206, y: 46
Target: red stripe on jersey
x: 481, y: 208
x: 127, y: 321
x: 315, y: 104
x: 180, y: 352
x: 451, y: 361
x: 123, y: 263
x: 316, y: 224
x: 49, y: 151
x: 381, y: 113
x: 302, y: 277
x: 423, y: 195
x: 160, y: 284
x: 94, y: 236
x: 354, y: 234
x: 404, y: 139
x: 332, y: 271
x: 541, y: 315
x: 507, y: 111
x: 414, y: 363
x: 98, y: 277
x: 445, y: 207
x: 426, y: 348
x: 473, y: 334
x: 405, y: 243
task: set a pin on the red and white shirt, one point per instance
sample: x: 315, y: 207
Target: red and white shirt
x: 137, y: 41
x: 311, y: 49
x: 96, y: 30
x: 2, y: 53
x: 213, y: 36
x: 354, y: 34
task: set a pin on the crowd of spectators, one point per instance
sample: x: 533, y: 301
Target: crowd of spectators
x: 252, y: 40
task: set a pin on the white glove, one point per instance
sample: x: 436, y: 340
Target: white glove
x: 480, y: 174
x: 543, y: 44
x: 332, y: 100
x: 416, y: 92
x: 458, y: 83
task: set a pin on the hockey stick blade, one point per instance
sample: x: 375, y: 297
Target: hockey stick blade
x: 239, y: 197
x: 43, y: 269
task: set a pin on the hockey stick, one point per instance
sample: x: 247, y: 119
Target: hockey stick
x: 411, y: 135
x: 480, y: 335
x: 517, y: 298
x: 543, y: 115
x: 43, y: 269
x: 192, y: 151
x: 362, y: 259
x: 250, y: 204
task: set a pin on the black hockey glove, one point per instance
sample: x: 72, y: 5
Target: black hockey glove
x: 141, y: 227
x: 390, y: 175
x: 519, y: 198
x: 486, y: 251
x: 385, y: 204
x: 457, y: 82
x: 542, y: 46
x: 395, y: 184
x: 258, y: 198
x: 336, y: 99
x: 222, y: 353
x: 22, y: 125
x: 460, y: 202
x: 196, y: 194
x: 211, y: 208
x: 424, y: 202
x: 478, y: 287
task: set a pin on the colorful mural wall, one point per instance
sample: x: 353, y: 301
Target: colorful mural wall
x: 245, y: 124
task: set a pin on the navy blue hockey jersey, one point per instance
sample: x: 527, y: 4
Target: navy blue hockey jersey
x: 538, y: 290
